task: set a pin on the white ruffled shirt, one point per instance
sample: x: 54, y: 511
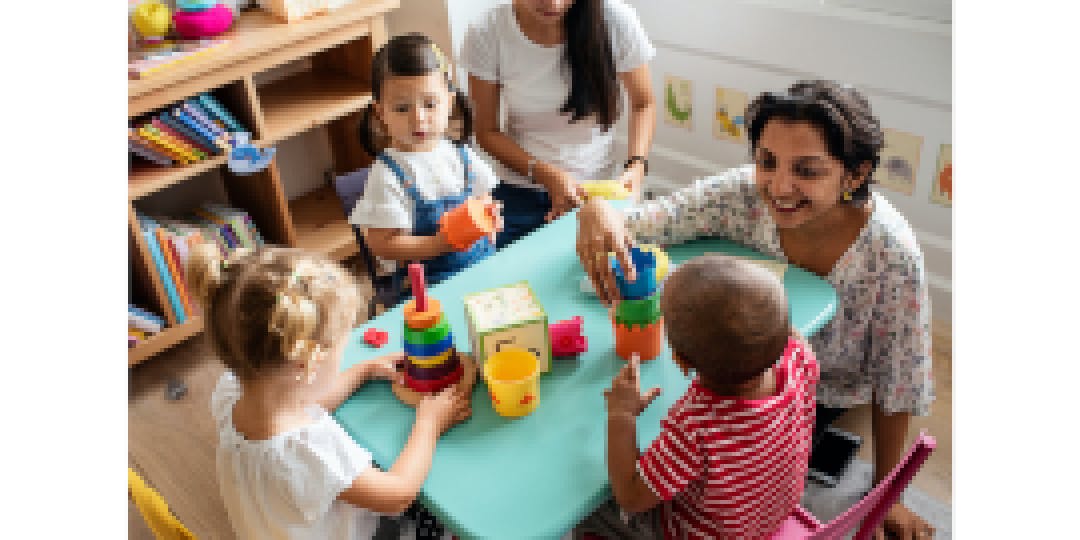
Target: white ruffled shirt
x: 877, y: 346
x: 286, y: 487
x: 535, y: 83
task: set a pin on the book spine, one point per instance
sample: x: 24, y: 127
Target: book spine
x: 163, y: 273
x: 215, y: 107
x: 146, y: 144
x: 144, y: 314
x: 191, y: 156
x: 194, y: 124
x: 197, y: 112
x: 191, y: 135
x: 177, y: 139
x: 174, y: 269
x: 149, y: 133
x: 153, y: 157
x: 143, y: 324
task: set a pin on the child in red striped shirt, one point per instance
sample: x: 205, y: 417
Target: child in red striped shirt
x: 731, y: 457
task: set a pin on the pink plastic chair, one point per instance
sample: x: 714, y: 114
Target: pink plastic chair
x: 870, y: 510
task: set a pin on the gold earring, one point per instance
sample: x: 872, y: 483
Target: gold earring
x: 847, y: 195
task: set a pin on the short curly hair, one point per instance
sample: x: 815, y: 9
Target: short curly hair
x: 725, y: 317
x: 852, y: 133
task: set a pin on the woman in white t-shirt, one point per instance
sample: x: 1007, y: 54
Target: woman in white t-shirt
x: 554, y: 68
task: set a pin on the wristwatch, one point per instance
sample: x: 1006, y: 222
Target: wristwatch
x: 630, y: 162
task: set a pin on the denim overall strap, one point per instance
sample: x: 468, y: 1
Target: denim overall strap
x: 469, y: 175
x: 406, y: 180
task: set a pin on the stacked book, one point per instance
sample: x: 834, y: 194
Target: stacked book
x: 171, y: 241
x: 142, y: 324
x: 151, y: 59
x: 185, y: 133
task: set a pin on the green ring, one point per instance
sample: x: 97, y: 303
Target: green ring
x: 642, y: 311
x: 428, y: 336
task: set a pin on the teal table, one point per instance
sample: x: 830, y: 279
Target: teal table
x: 536, y: 476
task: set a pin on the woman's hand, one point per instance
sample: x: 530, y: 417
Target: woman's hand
x: 633, y: 178
x: 601, y: 231
x: 563, y: 189
x: 496, y: 214
x: 904, y: 524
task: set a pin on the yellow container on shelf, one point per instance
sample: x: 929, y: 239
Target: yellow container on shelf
x: 512, y: 376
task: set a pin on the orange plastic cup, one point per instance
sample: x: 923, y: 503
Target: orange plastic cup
x: 467, y: 223
x: 645, y: 341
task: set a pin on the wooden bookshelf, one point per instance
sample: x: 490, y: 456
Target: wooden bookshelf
x: 338, y: 46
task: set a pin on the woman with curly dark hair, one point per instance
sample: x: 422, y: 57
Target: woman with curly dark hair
x: 806, y: 200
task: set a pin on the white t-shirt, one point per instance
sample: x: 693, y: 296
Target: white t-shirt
x: 436, y: 174
x: 535, y: 82
x: 286, y: 487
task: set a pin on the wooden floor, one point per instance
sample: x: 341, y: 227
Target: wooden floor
x: 171, y: 443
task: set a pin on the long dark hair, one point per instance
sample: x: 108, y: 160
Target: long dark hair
x: 853, y: 134
x: 594, y: 88
x: 409, y: 55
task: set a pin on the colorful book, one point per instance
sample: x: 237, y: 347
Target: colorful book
x: 151, y: 156
x: 194, y: 124
x: 192, y: 107
x: 145, y: 325
x: 228, y: 230
x: 149, y: 133
x: 188, y: 152
x: 132, y: 341
x: 139, y: 335
x: 219, y: 112
x: 147, y: 61
x: 174, y: 267
x: 235, y: 219
x: 189, y: 134
x: 148, y: 227
x: 147, y: 315
x: 178, y: 139
x: 134, y: 135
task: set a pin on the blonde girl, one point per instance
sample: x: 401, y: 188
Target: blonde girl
x: 279, y: 319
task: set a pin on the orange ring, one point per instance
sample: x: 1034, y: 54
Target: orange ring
x: 422, y: 320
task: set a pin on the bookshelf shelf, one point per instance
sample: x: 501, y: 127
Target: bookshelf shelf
x: 321, y: 224
x: 164, y: 339
x: 339, y: 47
x: 298, y: 103
x: 146, y: 179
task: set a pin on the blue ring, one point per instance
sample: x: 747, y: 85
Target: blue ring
x: 434, y: 349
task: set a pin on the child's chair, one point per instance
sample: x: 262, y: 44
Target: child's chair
x: 155, y: 512
x: 349, y: 188
x: 871, y: 510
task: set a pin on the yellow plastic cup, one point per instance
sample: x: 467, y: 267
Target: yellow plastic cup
x: 512, y: 377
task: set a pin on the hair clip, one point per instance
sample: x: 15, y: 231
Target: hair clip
x: 439, y: 56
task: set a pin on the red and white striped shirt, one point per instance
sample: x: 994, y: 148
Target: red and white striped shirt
x: 731, y: 467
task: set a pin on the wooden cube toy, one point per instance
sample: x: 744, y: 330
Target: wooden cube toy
x: 508, y: 316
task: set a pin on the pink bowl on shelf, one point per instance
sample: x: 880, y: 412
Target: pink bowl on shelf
x: 200, y: 24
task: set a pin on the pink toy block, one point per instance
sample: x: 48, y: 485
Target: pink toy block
x: 566, y: 337
x: 375, y: 337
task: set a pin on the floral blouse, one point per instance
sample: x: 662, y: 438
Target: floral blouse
x: 877, y: 346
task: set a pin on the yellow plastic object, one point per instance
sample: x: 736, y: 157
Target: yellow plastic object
x: 152, y: 19
x: 662, y: 260
x: 512, y: 377
x: 606, y: 189
x: 161, y: 521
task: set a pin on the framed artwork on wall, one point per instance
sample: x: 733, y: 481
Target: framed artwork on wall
x: 899, y: 161
x: 678, y: 102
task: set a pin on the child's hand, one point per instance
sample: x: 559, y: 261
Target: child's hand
x: 624, y: 398
x: 496, y: 213
x: 386, y: 367
x: 444, y: 409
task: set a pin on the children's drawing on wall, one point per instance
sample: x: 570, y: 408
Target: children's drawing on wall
x: 899, y: 161
x: 941, y: 191
x: 678, y: 102
x: 729, y: 122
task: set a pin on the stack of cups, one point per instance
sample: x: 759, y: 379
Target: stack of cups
x: 639, y: 326
x: 431, y: 362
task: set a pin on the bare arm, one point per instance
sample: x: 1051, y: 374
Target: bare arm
x: 622, y: 454
x: 392, y: 491
x: 397, y: 245
x: 890, y: 434
x: 560, y: 186
x: 349, y: 380
x: 642, y: 122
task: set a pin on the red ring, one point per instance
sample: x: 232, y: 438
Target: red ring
x: 434, y: 385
